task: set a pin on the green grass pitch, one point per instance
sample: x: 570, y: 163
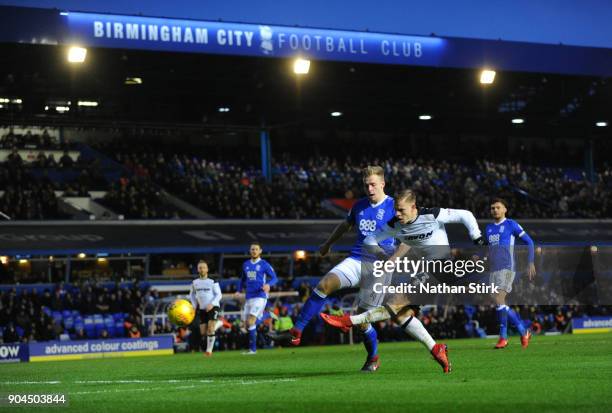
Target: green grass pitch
x: 556, y: 374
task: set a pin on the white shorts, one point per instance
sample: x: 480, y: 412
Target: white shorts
x: 254, y: 307
x: 502, y: 279
x: 350, y: 272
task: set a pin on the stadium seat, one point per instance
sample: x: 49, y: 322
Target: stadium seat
x: 119, y: 329
x: 89, y: 328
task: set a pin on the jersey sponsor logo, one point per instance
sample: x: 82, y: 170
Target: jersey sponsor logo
x: 367, y: 226
x: 252, y: 275
x: 494, y: 239
x: 418, y: 236
x: 203, y: 289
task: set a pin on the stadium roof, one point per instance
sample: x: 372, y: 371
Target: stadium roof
x: 30, y: 25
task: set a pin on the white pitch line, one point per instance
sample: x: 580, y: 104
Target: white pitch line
x: 244, y: 381
x: 201, y: 382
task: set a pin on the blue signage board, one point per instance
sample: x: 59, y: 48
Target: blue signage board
x: 12, y: 353
x: 78, y: 350
x: 149, y: 33
x: 587, y: 325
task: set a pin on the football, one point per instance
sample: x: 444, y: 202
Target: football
x: 181, y: 313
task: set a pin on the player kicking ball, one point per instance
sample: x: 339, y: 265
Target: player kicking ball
x: 367, y: 215
x: 257, y: 278
x: 501, y: 235
x: 421, y: 229
x: 205, y: 295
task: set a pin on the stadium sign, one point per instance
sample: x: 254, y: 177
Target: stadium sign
x: 587, y: 325
x: 13, y: 353
x: 78, y: 350
x: 149, y: 33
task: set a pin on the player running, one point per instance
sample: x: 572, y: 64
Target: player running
x: 501, y: 236
x: 257, y: 278
x: 205, y: 295
x: 421, y: 229
x: 368, y: 215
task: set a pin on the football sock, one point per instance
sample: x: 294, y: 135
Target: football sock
x: 312, y: 307
x: 516, y: 321
x: 370, y: 341
x: 253, y: 338
x: 210, y: 343
x: 416, y: 330
x: 502, y: 317
x: 371, y: 316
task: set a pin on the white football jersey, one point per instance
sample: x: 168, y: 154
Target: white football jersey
x: 426, y: 233
x: 205, y: 291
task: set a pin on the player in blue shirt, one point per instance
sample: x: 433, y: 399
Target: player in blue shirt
x: 257, y: 278
x: 501, y: 236
x: 367, y: 216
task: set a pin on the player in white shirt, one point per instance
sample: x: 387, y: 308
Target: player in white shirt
x: 421, y: 229
x: 205, y: 296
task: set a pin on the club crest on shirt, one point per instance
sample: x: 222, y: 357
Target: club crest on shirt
x: 501, y: 229
x: 257, y: 267
x: 380, y: 214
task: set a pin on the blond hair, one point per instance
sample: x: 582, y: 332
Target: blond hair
x: 406, y: 195
x: 373, y: 170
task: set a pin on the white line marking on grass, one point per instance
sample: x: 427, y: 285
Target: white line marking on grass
x: 241, y: 382
x: 101, y: 382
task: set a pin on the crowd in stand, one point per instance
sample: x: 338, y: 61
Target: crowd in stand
x: 139, y: 198
x: 29, y: 187
x: 226, y: 189
x: 24, y: 197
x: 33, y: 316
x: 298, y: 188
x: 29, y: 140
x: 37, y: 316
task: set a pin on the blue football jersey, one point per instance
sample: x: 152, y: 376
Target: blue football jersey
x: 367, y: 219
x: 501, y: 239
x: 254, y: 276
